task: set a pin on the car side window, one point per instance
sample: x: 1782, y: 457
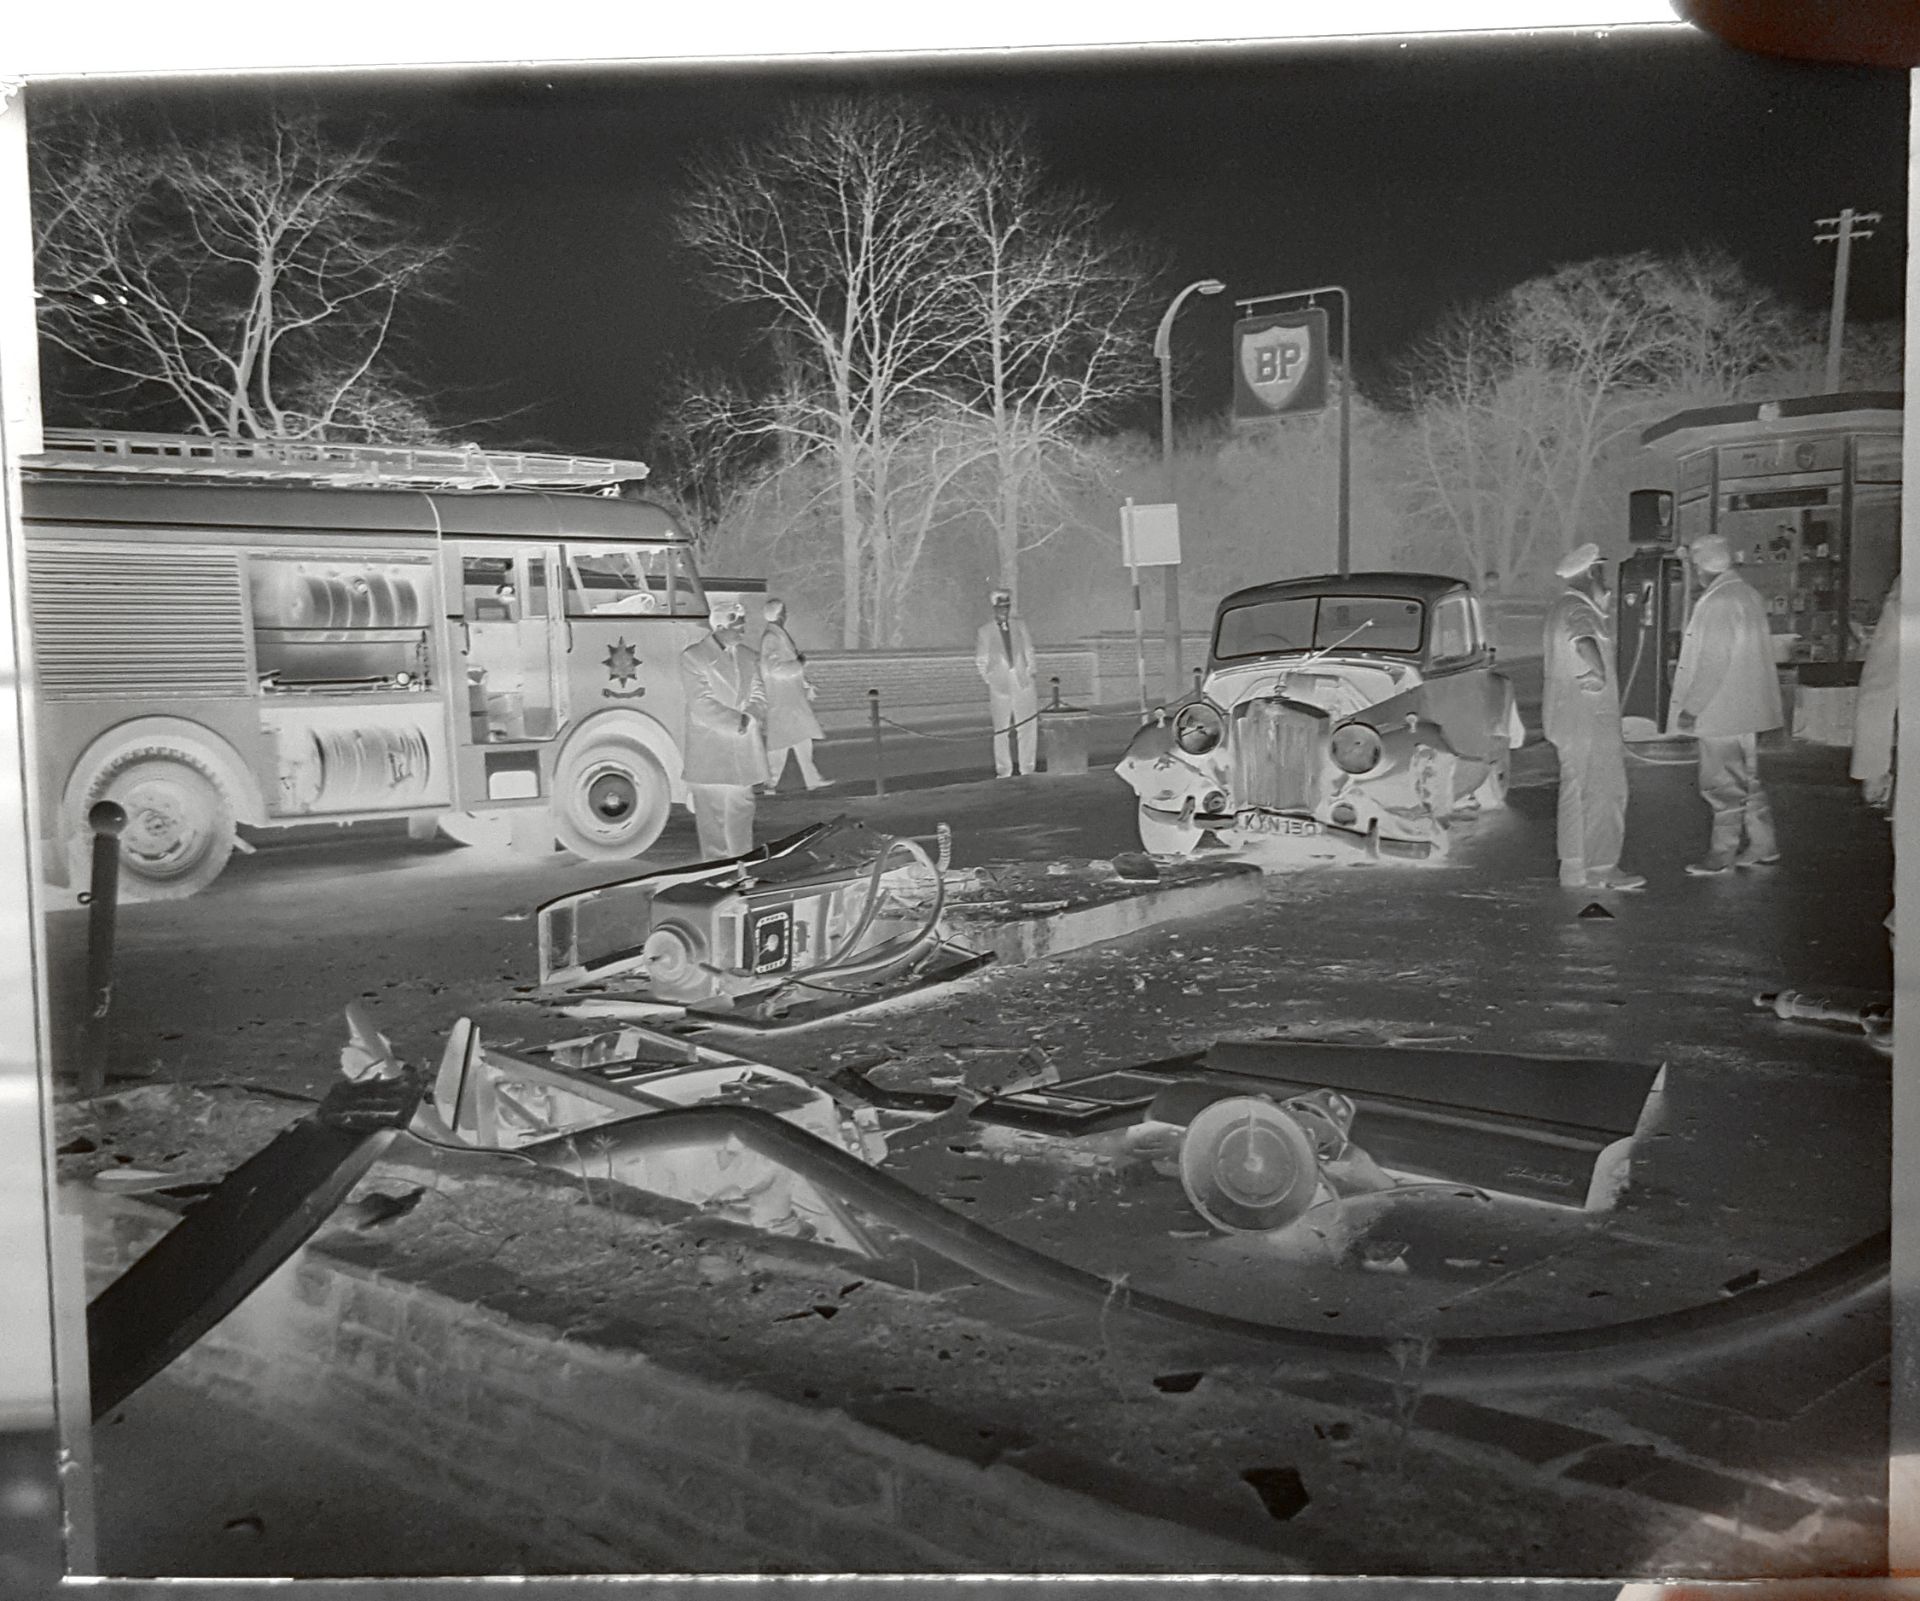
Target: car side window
x: 1453, y: 632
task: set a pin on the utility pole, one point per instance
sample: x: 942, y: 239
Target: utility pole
x: 1845, y: 229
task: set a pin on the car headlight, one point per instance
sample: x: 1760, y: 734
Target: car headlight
x: 1198, y: 728
x: 1356, y: 748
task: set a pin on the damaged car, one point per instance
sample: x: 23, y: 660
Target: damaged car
x: 1364, y: 708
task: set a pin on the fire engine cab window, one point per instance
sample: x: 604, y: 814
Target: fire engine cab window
x: 639, y: 581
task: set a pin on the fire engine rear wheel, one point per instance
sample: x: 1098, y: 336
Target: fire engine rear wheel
x: 611, y: 799
x: 179, y: 830
x: 1161, y: 835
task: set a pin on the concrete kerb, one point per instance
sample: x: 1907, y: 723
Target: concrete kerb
x: 617, y: 1458
x: 1117, y: 907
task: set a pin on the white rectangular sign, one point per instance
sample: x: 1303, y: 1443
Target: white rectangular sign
x: 1150, y: 535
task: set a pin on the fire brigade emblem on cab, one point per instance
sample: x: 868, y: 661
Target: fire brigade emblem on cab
x: 623, y: 666
x: 1280, y: 364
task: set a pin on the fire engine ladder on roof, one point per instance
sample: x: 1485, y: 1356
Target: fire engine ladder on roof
x: 198, y: 456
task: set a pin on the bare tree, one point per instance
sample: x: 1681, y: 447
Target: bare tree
x: 841, y: 225
x: 1057, y: 337
x: 1515, y: 409
x: 247, y: 281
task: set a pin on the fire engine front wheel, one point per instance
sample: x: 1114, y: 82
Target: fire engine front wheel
x: 179, y: 830
x: 611, y: 800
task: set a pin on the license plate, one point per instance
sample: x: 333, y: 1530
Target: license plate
x: 1269, y: 823
x: 770, y: 940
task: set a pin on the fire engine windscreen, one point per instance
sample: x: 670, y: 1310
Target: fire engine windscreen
x: 634, y: 580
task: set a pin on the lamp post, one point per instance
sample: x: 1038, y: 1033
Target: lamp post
x: 1163, y: 350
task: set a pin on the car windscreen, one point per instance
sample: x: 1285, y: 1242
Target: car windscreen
x: 1319, y: 622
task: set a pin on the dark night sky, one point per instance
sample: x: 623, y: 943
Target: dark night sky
x: 1419, y: 173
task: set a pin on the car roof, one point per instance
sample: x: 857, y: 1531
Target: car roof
x: 1410, y: 586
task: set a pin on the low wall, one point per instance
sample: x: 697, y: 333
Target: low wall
x: 924, y: 684
x: 605, y: 1460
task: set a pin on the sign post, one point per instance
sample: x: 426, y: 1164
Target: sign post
x: 1280, y: 363
x: 1150, y: 537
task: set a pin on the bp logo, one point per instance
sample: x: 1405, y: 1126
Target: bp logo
x: 1280, y: 364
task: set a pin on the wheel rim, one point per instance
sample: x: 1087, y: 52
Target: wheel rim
x: 168, y: 829
x: 613, y: 805
x: 612, y: 799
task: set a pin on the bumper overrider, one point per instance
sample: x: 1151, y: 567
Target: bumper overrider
x: 1281, y: 769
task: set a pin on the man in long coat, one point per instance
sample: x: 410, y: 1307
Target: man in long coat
x: 1876, y: 715
x: 1726, y: 693
x: 1876, y: 712
x: 791, y: 725
x: 1580, y: 712
x: 1003, y: 657
x: 725, y: 754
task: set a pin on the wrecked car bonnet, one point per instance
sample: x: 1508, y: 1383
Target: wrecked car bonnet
x: 1338, y: 685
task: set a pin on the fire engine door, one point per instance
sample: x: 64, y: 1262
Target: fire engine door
x: 508, y: 618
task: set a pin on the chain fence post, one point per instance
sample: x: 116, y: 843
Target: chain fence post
x: 879, y: 752
x: 107, y: 819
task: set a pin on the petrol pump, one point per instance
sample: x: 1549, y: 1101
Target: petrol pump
x: 1650, y: 615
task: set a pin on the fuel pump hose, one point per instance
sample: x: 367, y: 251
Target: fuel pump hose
x: 1795, y: 1307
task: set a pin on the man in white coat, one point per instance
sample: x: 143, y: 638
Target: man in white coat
x: 725, y: 753
x: 1726, y: 693
x: 1876, y: 714
x: 1003, y: 656
x: 1876, y: 711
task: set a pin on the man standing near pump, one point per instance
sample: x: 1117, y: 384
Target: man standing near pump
x: 1580, y: 711
x: 1726, y: 693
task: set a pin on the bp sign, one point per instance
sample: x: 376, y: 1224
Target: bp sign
x: 1279, y: 365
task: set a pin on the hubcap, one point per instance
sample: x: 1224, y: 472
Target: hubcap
x: 612, y: 798
x: 1254, y: 1165
x: 164, y: 831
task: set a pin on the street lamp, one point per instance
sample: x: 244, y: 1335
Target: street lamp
x: 1163, y: 351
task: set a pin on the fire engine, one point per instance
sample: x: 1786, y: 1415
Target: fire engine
x: 266, y: 634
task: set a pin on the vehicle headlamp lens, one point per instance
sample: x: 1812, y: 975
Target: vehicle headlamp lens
x: 1198, y: 729
x: 1356, y: 748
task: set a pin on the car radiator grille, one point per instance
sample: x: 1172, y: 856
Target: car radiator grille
x: 1277, y: 759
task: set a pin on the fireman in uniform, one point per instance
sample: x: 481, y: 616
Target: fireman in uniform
x: 1580, y: 711
x: 1726, y: 693
x: 725, y: 753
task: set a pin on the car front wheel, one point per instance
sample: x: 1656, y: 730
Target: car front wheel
x: 1162, y: 834
x: 1491, y: 796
